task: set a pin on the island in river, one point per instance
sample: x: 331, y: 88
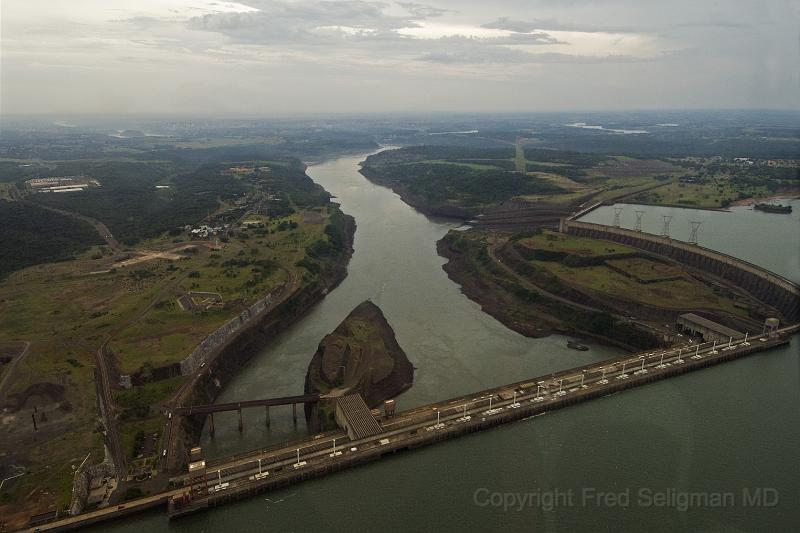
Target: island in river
x: 360, y: 356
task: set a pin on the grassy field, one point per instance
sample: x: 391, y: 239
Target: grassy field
x: 253, y: 263
x: 673, y: 294
x: 715, y: 193
x: 644, y: 269
x: 472, y: 166
x: 664, y: 291
x: 558, y: 242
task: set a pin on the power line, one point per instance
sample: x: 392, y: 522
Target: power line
x: 695, y: 224
x: 638, y: 225
x: 617, y: 213
x: 665, y: 229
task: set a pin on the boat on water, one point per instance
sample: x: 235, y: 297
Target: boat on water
x: 577, y: 346
x: 773, y: 208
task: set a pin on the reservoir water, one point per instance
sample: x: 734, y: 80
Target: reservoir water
x: 716, y: 450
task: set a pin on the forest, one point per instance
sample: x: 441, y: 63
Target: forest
x: 32, y: 235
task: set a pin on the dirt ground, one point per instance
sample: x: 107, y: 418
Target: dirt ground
x: 172, y: 254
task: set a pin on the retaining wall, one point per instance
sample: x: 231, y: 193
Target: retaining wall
x: 206, y: 348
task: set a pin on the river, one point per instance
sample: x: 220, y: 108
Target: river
x: 703, y: 442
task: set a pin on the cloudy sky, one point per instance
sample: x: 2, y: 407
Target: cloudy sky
x: 267, y: 57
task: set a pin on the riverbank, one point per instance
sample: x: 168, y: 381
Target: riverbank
x: 536, y: 317
x: 786, y: 195
x: 232, y: 356
x: 454, y: 212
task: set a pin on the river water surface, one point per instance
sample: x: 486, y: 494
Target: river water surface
x: 683, y: 454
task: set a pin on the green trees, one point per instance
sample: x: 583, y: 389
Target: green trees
x: 33, y: 235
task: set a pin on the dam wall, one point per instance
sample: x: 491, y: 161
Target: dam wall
x: 767, y: 287
x: 204, y: 350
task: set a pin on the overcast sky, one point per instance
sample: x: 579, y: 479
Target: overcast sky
x: 265, y: 57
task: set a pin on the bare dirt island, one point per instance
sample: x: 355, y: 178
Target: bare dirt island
x: 360, y: 356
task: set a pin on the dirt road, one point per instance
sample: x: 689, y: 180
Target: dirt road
x: 7, y: 378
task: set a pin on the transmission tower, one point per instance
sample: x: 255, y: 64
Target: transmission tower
x: 638, y: 225
x: 617, y: 213
x: 665, y: 229
x: 695, y: 226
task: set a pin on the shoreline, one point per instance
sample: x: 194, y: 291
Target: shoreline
x: 735, y: 203
x: 459, y: 214
x: 231, y: 356
x: 470, y: 286
x: 752, y: 201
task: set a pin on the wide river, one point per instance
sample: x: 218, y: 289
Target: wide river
x: 691, y: 453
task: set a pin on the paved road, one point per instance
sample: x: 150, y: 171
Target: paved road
x: 105, y: 387
x: 101, y: 228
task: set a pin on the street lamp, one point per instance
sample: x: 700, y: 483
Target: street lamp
x: 334, y: 453
x: 299, y: 463
x: 642, y: 369
x: 538, y: 397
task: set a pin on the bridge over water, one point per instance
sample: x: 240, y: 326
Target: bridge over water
x: 210, y: 409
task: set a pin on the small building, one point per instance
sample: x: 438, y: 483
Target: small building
x: 708, y: 329
x: 389, y: 408
x: 195, y: 454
